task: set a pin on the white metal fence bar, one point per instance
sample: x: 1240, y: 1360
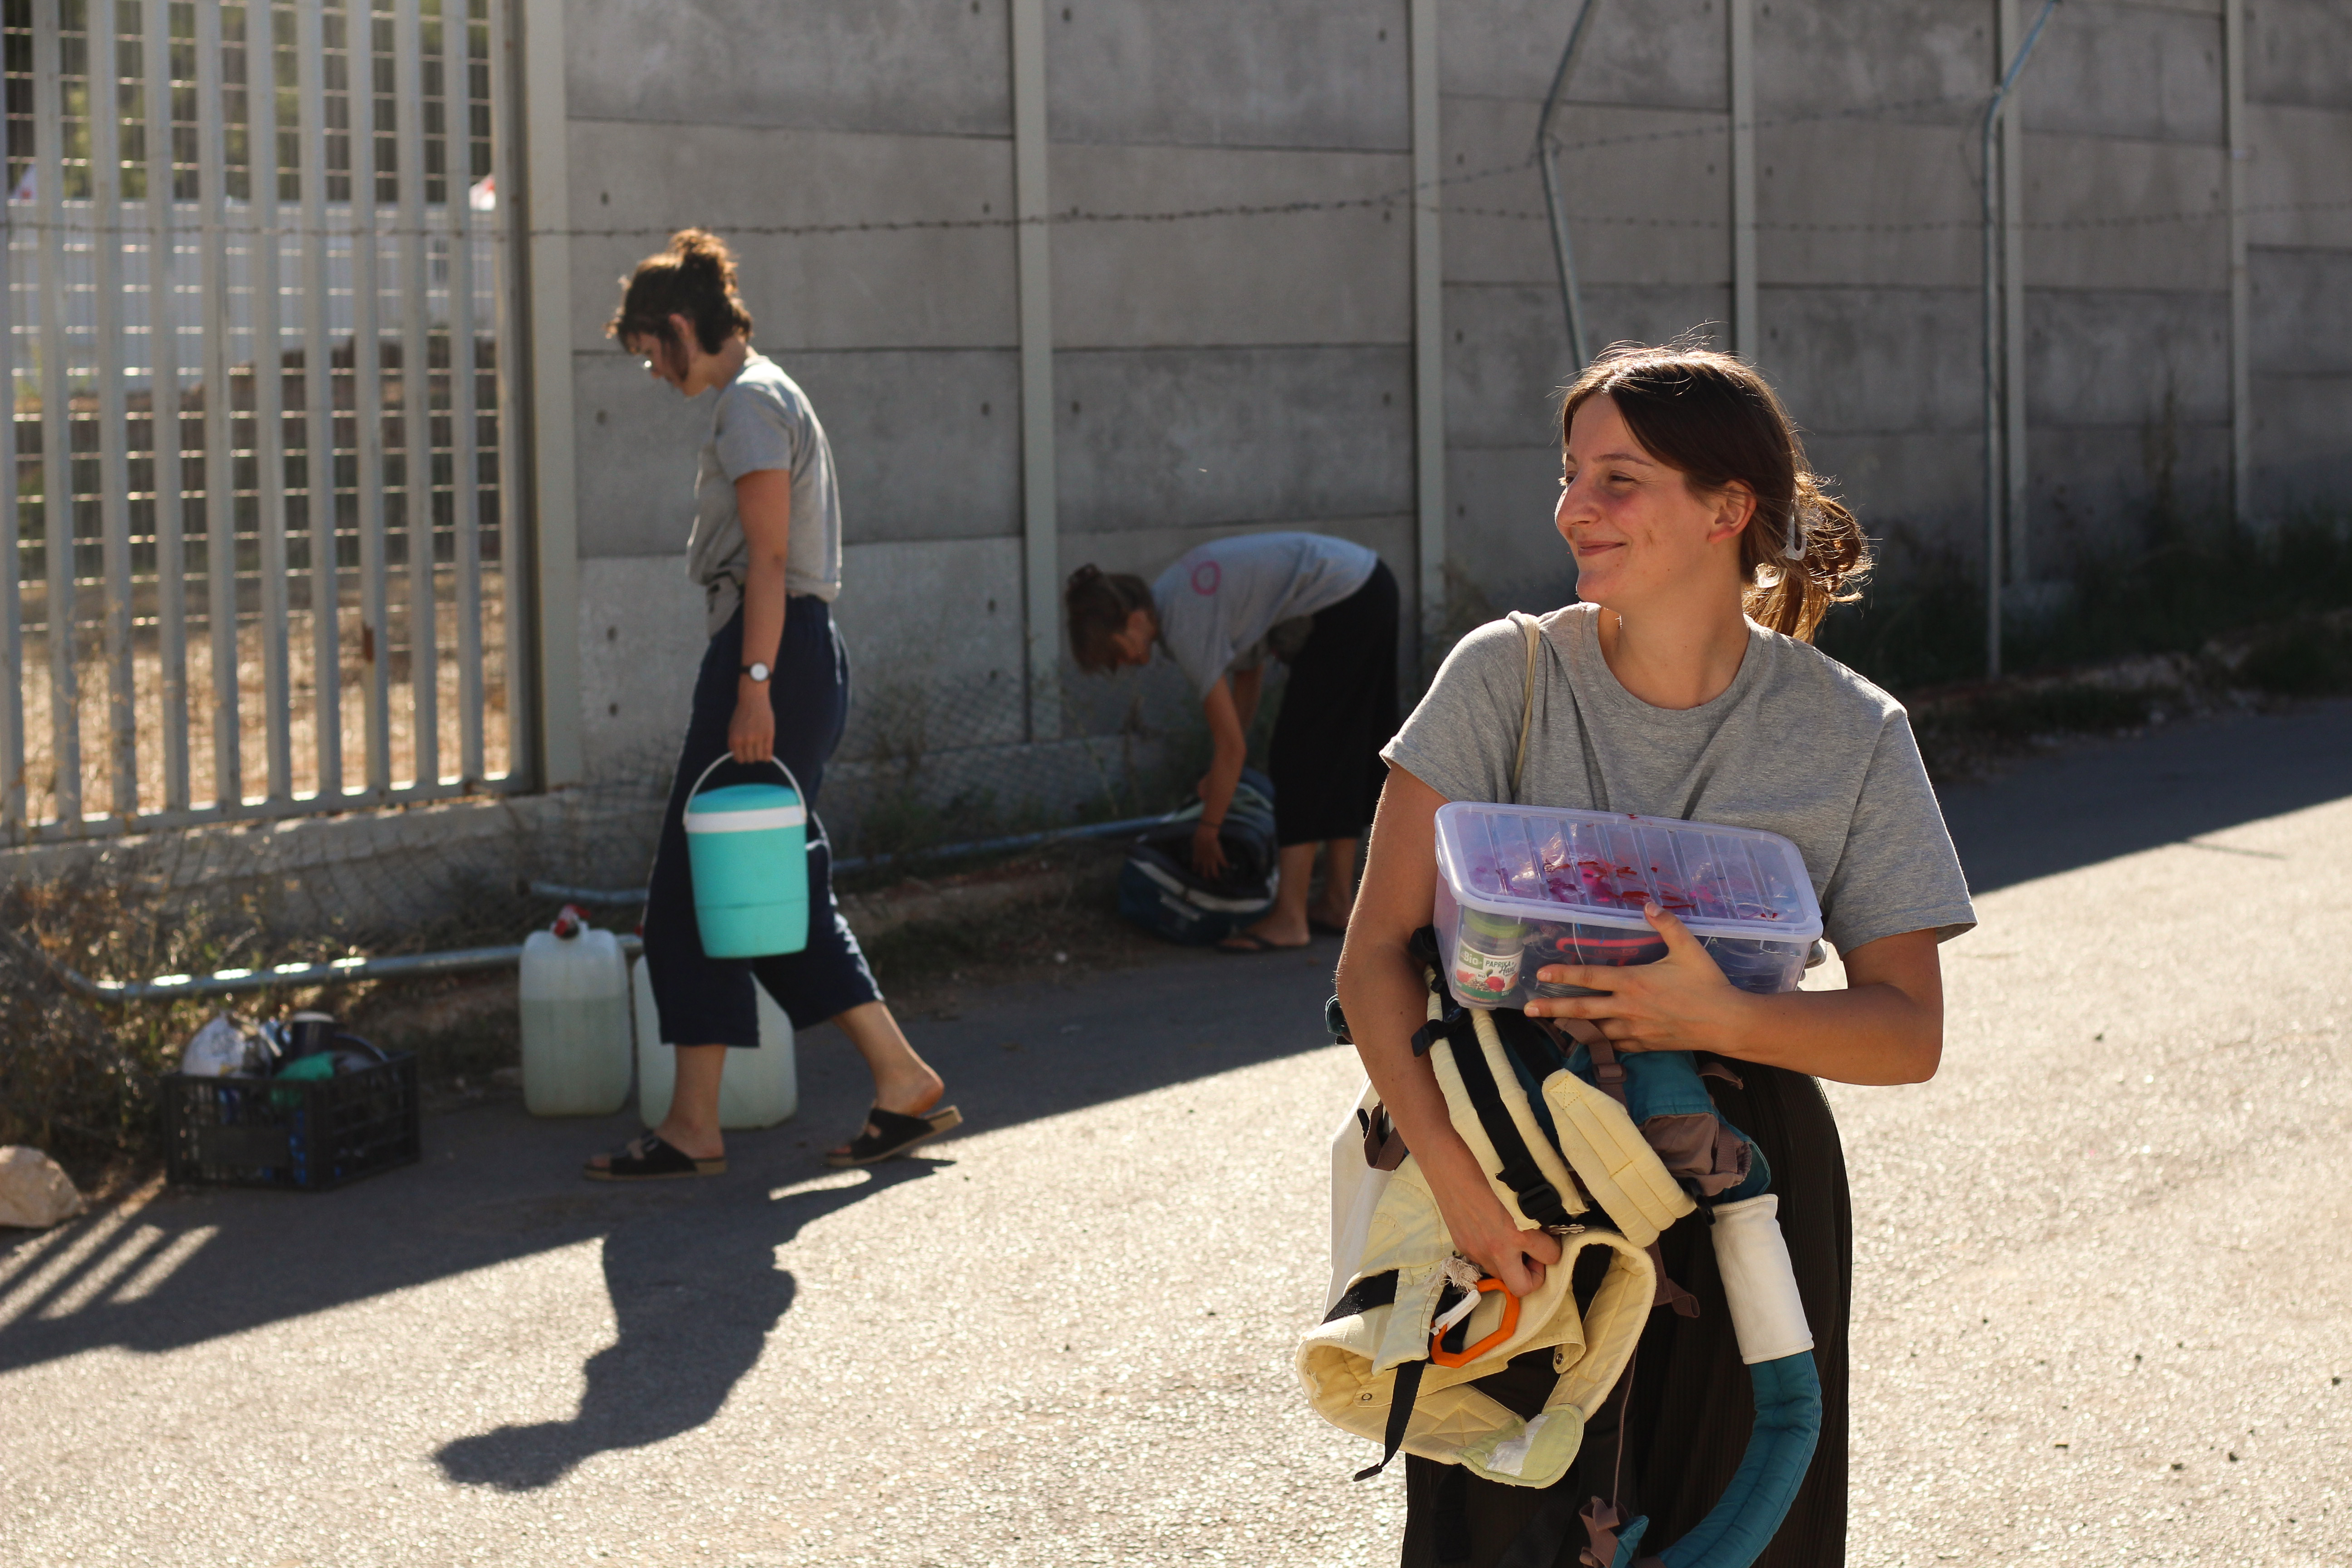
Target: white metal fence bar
x: 12, y: 607
x: 269, y: 387
x: 464, y: 478
x: 164, y: 443
x: 103, y: 44
x: 498, y: 75
x: 416, y: 391
x: 367, y: 397
x: 220, y: 472
x: 318, y: 403
x: 233, y: 356
x: 57, y: 466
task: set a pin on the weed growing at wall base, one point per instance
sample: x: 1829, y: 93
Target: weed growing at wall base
x: 2176, y: 587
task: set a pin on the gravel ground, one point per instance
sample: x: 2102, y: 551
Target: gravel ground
x: 2103, y: 1307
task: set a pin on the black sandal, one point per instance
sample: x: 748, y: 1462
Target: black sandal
x: 651, y: 1159
x: 889, y: 1133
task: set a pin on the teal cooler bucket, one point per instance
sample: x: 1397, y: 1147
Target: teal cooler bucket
x: 748, y: 846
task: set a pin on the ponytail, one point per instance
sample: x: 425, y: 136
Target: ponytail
x: 695, y: 278
x: 1799, y: 564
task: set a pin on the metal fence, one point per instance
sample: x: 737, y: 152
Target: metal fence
x: 258, y: 318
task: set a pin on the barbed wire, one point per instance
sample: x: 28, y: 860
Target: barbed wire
x: 490, y: 229
x: 2134, y: 220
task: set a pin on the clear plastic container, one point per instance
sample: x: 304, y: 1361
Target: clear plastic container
x: 1521, y: 887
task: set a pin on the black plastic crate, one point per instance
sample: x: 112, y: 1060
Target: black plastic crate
x: 275, y: 1133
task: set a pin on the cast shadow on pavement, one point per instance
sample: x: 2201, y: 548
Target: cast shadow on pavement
x: 2085, y: 805
x: 693, y: 1307
x: 166, y: 1269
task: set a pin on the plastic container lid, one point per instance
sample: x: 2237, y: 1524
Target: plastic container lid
x: 744, y: 808
x: 1598, y: 867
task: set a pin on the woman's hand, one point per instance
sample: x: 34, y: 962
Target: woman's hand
x: 1484, y: 1231
x: 1681, y: 1002
x: 1208, y: 851
x: 752, y: 733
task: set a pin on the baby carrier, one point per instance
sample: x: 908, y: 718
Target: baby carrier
x: 1603, y: 1153
x: 1159, y: 890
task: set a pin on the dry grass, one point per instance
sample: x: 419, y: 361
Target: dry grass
x: 94, y: 702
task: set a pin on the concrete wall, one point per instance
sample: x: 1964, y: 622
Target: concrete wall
x: 1211, y: 375
x: 1231, y: 370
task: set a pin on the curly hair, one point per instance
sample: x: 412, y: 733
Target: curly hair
x: 695, y: 278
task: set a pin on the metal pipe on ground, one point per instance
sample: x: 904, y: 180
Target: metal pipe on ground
x: 412, y: 965
x: 333, y: 972
x: 577, y: 895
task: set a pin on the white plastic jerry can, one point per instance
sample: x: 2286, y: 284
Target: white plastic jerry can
x: 575, y: 1021
x: 760, y: 1087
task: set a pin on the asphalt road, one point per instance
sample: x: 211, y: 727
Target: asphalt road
x: 2105, y: 1302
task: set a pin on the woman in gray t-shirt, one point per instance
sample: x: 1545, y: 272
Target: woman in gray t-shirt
x: 773, y: 686
x: 1325, y: 607
x: 1682, y: 685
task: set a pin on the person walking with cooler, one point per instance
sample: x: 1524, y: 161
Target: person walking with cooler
x: 1327, y: 609
x: 773, y: 684
x: 1683, y: 685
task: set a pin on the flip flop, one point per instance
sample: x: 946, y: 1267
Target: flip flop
x: 1251, y: 942
x: 889, y: 1133
x: 651, y: 1159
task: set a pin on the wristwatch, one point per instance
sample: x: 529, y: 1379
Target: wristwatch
x: 758, y: 672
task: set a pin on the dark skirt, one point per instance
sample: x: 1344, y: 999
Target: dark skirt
x: 1687, y: 1413
x: 706, y: 1001
x: 1338, y: 710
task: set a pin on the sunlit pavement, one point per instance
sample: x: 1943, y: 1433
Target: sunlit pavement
x: 2101, y: 1289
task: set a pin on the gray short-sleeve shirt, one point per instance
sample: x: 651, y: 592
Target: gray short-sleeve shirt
x: 763, y: 420
x: 1797, y: 744
x: 1217, y: 603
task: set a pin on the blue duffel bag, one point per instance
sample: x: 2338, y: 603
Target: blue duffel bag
x: 1159, y: 890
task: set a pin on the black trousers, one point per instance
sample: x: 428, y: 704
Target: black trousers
x: 1687, y: 1416
x: 706, y: 1001
x: 1338, y: 711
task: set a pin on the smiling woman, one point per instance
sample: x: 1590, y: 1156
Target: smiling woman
x: 1683, y: 685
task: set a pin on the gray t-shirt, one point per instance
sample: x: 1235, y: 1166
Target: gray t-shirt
x: 1219, y: 601
x: 1797, y: 744
x: 763, y: 421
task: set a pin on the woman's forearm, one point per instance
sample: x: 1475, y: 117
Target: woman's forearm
x: 763, y: 610
x: 1232, y: 750
x: 763, y: 503
x: 1386, y: 999
x: 1864, y: 1035
x: 1886, y: 1026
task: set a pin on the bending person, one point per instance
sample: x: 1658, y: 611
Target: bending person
x: 1326, y: 608
x: 774, y: 683
x: 1682, y: 685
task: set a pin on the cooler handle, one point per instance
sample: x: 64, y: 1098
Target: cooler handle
x: 729, y: 757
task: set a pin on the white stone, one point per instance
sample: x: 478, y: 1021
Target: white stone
x: 34, y: 1191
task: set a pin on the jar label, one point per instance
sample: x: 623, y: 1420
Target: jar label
x: 1492, y: 972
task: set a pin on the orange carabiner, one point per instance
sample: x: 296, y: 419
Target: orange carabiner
x: 1441, y: 1356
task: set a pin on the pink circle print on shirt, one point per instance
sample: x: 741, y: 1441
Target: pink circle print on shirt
x: 1205, y: 577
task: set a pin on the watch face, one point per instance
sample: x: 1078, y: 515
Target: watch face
x: 758, y: 672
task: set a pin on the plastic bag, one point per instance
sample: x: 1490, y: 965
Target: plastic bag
x: 227, y: 1047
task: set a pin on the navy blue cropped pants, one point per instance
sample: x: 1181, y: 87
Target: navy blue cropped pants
x: 706, y: 1001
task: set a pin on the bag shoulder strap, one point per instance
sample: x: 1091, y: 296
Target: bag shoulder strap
x: 1532, y: 630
